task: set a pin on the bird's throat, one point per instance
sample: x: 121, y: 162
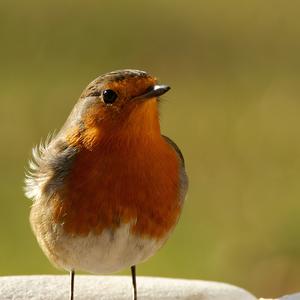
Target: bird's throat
x: 143, y: 119
x: 140, y: 124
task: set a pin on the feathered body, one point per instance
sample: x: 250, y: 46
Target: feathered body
x: 108, y: 188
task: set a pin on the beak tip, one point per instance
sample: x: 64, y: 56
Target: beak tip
x: 155, y: 91
x: 161, y: 89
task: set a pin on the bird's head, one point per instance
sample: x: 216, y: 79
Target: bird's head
x: 118, y: 103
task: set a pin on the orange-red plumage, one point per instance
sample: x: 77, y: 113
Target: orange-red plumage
x: 102, y: 191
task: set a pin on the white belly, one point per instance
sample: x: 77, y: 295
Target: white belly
x: 105, y: 253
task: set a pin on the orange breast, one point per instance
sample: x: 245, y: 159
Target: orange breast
x: 120, y: 182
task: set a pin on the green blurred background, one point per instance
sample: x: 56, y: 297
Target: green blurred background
x: 234, y: 109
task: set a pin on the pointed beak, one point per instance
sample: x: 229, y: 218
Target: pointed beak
x: 154, y: 91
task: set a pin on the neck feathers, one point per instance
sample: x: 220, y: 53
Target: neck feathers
x: 141, y: 123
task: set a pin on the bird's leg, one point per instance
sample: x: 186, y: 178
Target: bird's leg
x: 72, y: 274
x: 134, y: 282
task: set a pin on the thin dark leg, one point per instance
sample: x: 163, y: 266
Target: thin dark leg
x: 134, y: 282
x: 72, y: 274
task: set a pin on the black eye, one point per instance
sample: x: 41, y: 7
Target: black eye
x: 109, y: 96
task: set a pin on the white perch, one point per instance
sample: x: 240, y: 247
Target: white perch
x: 116, y: 288
x: 47, y: 287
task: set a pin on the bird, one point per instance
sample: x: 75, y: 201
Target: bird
x: 108, y: 188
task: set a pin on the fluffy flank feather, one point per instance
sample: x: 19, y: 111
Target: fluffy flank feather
x: 36, y: 175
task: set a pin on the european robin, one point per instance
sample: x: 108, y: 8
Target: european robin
x: 108, y: 189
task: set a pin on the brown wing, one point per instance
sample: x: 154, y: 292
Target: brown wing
x: 184, y: 182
